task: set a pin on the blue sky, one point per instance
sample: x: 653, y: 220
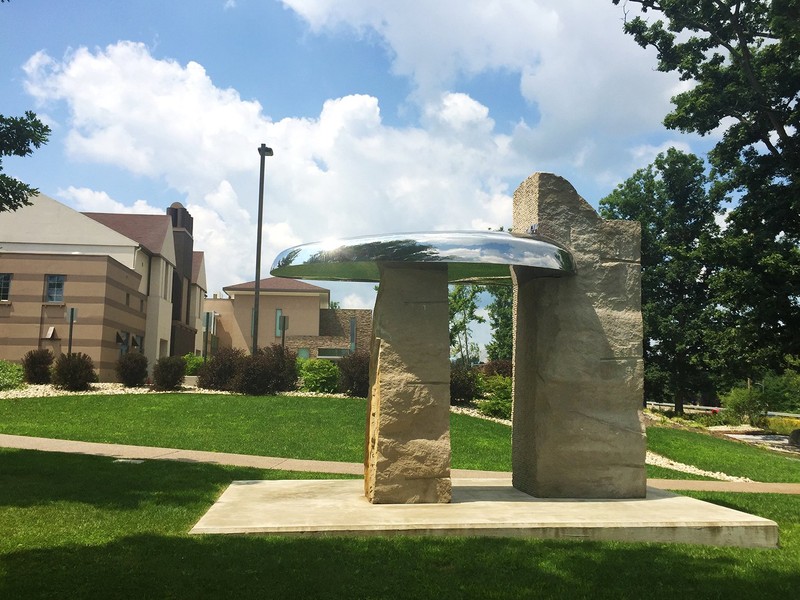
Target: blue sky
x: 384, y: 116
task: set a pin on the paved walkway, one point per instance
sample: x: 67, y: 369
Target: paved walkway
x: 128, y: 452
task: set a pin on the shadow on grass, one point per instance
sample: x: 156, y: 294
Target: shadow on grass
x: 29, y: 478
x: 138, y: 548
x: 153, y: 566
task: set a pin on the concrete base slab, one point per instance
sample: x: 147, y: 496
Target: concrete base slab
x: 480, y: 507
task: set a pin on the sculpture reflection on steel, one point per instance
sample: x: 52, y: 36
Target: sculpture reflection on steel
x: 477, y: 257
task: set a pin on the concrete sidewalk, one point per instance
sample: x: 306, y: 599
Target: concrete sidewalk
x: 318, y: 466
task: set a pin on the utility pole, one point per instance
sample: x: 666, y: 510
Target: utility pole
x: 263, y: 152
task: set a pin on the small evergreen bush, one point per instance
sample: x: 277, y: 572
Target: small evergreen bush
x: 74, y: 372
x: 319, y: 375
x: 132, y: 369
x: 218, y: 371
x: 465, y: 384
x: 168, y: 373
x: 354, y: 374
x: 497, y: 390
x: 11, y: 375
x: 193, y: 363
x: 36, y: 365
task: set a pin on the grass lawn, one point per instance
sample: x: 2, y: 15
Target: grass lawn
x: 88, y: 527
x: 716, y: 454
x: 326, y: 429
x: 76, y: 526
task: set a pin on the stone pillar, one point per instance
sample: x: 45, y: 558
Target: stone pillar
x: 407, y: 454
x: 578, y: 372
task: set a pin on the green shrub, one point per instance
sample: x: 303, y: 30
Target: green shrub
x: 498, y: 392
x: 465, y: 384
x: 74, y: 372
x: 496, y: 408
x: 36, y: 365
x: 11, y: 375
x: 132, y: 369
x: 193, y: 363
x: 354, y: 374
x: 782, y: 425
x: 268, y: 371
x: 168, y: 373
x: 219, y: 370
x: 746, y: 404
x: 319, y: 375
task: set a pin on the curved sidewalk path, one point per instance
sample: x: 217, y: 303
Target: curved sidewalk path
x: 123, y: 451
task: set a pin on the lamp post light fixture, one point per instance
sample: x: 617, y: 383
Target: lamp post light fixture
x: 263, y: 152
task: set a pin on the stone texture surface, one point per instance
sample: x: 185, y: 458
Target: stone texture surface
x: 578, y: 372
x: 407, y: 454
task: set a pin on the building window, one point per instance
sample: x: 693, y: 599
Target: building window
x: 278, y: 315
x: 5, y: 286
x: 54, y: 288
x: 303, y: 353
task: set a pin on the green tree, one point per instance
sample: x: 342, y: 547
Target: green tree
x: 18, y: 137
x: 502, y: 322
x: 743, y: 58
x: 670, y: 200
x: 463, y: 304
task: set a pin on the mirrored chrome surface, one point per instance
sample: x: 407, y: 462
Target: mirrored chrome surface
x: 480, y: 257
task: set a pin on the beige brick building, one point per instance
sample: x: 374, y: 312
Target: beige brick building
x: 314, y: 329
x: 131, y: 281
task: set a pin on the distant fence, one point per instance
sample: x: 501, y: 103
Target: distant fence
x: 699, y: 408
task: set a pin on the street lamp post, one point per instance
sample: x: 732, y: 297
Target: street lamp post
x: 263, y: 152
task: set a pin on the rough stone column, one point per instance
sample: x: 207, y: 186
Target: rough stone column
x: 578, y: 373
x: 407, y: 454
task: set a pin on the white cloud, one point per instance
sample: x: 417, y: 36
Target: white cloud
x: 342, y: 173
x: 87, y: 200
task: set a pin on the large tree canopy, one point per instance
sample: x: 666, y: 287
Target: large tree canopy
x: 743, y: 59
x: 670, y: 199
x: 18, y: 137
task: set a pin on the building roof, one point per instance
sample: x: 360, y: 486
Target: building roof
x: 149, y: 230
x: 276, y: 284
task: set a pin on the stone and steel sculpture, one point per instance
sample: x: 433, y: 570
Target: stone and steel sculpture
x: 578, y: 371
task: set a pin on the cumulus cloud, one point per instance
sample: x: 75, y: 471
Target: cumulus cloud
x: 593, y: 89
x: 88, y: 200
x: 341, y: 173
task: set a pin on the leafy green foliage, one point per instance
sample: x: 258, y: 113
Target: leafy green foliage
x: 502, y: 322
x: 465, y: 383
x: 11, y: 375
x: 676, y: 213
x: 782, y: 425
x: 748, y: 404
x: 463, y: 304
x: 319, y: 375
x: 18, y: 137
x: 497, y: 394
x: 193, y: 363
x: 354, y: 374
x: 218, y: 371
x: 37, y: 364
x: 132, y: 369
x: 168, y: 373
x: 74, y: 372
x: 741, y: 58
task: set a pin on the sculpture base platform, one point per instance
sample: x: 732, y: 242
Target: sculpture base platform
x: 480, y: 507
